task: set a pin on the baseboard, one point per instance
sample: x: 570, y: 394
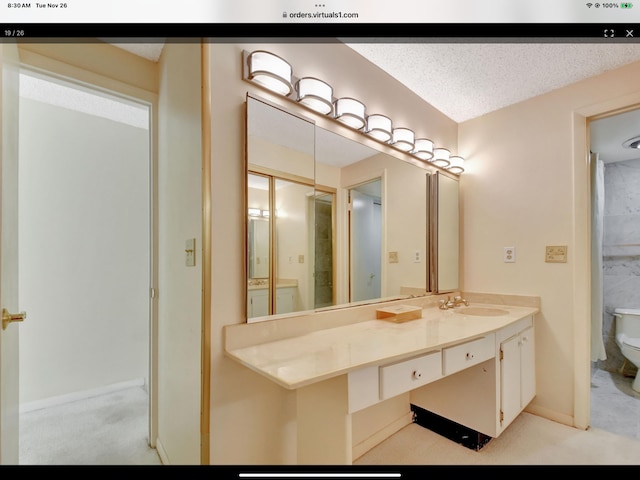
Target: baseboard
x: 550, y: 415
x: 161, y: 452
x: 72, y: 397
x: 381, y: 435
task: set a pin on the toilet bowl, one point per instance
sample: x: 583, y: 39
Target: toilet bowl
x: 627, y: 330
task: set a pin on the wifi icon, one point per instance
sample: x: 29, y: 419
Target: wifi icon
x: 589, y: 5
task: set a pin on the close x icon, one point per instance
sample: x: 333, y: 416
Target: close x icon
x: 611, y: 33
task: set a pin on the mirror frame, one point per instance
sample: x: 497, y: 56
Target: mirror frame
x: 444, y: 233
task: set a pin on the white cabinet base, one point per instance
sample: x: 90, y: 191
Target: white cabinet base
x: 467, y: 397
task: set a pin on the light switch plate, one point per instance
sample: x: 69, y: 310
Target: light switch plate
x: 556, y: 254
x: 393, y: 257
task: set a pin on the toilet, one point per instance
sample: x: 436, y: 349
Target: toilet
x: 627, y: 330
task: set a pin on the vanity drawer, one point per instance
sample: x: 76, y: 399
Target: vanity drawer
x: 468, y: 354
x: 409, y: 374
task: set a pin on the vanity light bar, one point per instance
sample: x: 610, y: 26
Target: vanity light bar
x: 351, y: 112
x: 441, y: 157
x: 315, y: 94
x: 276, y: 74
x: 270, y: 71
x: 457, y: 165
x: 379, y: 127
x: 423, y: 149
x: 256, y: 212
x: 403, y: 139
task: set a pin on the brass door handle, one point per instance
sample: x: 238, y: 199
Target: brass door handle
x: 7, y: 317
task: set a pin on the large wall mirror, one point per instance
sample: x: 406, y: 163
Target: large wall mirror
x: 331, y: 221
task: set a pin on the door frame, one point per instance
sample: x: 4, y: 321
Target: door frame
x: 73, y: 75
x: 582, y: 234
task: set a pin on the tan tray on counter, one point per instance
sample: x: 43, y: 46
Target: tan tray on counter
x: 399, y: 313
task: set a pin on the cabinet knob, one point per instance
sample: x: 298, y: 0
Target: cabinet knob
x: 417, y: 374
x: 469, y: 356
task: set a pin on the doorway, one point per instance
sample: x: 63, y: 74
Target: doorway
x: 365, y: 241
x: 85, y: 242
x: 615, y: 240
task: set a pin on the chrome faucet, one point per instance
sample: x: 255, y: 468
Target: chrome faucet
x: 456, y: 302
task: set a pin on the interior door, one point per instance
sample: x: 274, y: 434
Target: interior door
x: 9, y: 394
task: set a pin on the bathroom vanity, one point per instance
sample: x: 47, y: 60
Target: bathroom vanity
x: 473, y: 365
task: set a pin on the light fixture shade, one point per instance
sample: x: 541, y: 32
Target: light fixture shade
x: 350, y: 111
x: 403, y: 139
x: 379, y: 127
x: 457, y: 164
x: 441, y: 157
x: 254, y: 212
x: 270, y: 71
x: 315, y: 94
x: 423, y: 149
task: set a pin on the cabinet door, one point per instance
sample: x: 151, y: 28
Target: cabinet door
x: 510, y: 380
x: 528, y: 367
x: 258, y: 303
x: 285, y: 302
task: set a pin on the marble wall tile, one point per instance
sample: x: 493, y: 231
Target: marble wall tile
x: 627, y: 172
x: 621, y: 260
x: 621, y: 229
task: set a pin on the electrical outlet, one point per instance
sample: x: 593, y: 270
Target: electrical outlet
x: 417, y: 256
x: 509, y: 254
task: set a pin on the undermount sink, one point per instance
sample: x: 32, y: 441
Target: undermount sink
x: 482, y: 311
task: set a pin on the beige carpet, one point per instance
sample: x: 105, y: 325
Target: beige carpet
x: 109, y: 429
x: 529, y: 440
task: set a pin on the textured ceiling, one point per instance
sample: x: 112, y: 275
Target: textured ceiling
x: 465, y: 81
x: 150, y: 51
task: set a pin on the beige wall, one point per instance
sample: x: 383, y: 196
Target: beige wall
x: 85, y: 285
x: 178, y: 176
x: 526, y: 186
x: 179, y: 286
x: 404, y: 218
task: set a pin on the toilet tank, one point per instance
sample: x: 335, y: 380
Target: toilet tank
x: 627, y: 321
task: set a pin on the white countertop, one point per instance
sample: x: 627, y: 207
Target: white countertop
x: 279, y: 284
x: 305, y: 359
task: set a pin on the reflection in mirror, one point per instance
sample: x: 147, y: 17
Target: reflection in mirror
x: 258, y: 248
x: 384, y: 240
x: 317, y: 253
x: 324, y: 275
x: 365, y: 241
x: 280, y: 186
x: 445, y: 233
